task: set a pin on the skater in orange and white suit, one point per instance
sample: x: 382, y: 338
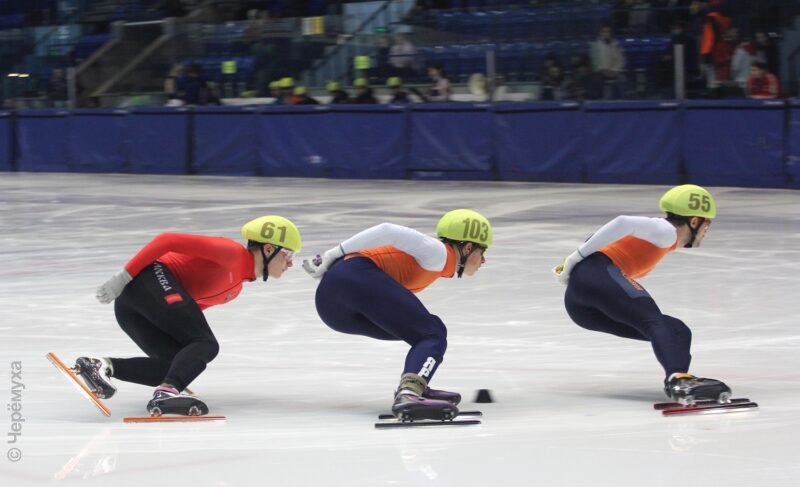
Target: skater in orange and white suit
x: 368, y: 286
x: 604, y: 293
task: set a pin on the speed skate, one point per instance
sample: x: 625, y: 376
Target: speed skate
x: 462, y: 418
x: 71, y: 375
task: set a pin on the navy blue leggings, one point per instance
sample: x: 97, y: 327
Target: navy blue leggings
x: 600, y: 298
x: 358, y: 298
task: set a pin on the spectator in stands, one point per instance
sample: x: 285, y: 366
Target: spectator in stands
x: 767, y: 52
x: 256, y: 20
x: 715, y: 25
x: 640, y: 15
x: 554, y: 86
x: 743, y: 58
x: 171, y: 81
x: 57, y: 93
x: 364, y: 93
x: 191, y: 88
x: 399, y: 93
x: 762, y: 84
x: 301, y: 97
x: 608, y: 61
x: 338, y: 95
x: 402, y: 56
x: 440, y: 90
x: 580, y: 87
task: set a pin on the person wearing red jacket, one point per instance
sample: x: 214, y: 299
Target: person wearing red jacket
x: 761, y: 84
x: 159, y: 298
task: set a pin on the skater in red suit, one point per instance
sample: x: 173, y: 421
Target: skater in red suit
x: 604, y: 294
x: 159, y: 298
x: 368, y: 286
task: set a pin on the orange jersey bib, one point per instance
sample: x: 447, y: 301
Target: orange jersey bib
x: 634, y: 256
x: 404, y: 269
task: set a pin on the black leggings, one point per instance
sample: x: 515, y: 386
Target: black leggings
x: 165, y: 322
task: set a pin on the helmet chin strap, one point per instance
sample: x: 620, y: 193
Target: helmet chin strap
x: 462, y: 262
x: 690, y: 243
x: 267, y: 259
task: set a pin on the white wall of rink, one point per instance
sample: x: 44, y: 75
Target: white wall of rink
x: 573, y: 408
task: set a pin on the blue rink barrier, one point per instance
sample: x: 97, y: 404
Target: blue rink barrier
x: 632, y: 142
x: 793, y: 144
x: 6, y: 142
x: 42, y: 143
x: 451, y: 141
x: 97, y: 140
x: 539, y: 141
x: 159, y: 140
x: 225, y: 141
x: 734, y: 143
x: 712, y: 142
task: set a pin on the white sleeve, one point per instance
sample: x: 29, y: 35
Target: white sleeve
x: 429, y: 252
x: 657, y: 231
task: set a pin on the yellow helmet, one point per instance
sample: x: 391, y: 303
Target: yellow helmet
x: 465, y: 226
x: 360, y: 82
x: 333, y: 86
x: 688, y: 200
x: 300, y: 90
x: 394, y: 82
x: 274, y: 230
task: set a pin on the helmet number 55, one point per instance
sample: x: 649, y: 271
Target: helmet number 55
x: 699, y: 202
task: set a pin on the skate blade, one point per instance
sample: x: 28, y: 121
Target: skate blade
x: 170, y: 419
x: 708, y: 402
x: 713, y: 408
x: 78, y: 383
x: 461, y: 413
x: 396, y: 423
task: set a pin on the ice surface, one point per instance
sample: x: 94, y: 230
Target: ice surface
x: 573, y: 407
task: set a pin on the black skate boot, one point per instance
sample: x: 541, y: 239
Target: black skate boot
x: 452, y: 397
x: 167, y: 400
x: 96, y: 374
x: 687, y: 389
x: 409, y: 403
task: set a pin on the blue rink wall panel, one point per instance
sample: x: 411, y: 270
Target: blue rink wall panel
x: 716, y: 143
x: 793, y: 145
x: 6, y: 142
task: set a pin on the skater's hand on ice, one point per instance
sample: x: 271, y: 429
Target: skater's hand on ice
x: 564, y: 269
x: 319, y: 265
x: 113, y: 287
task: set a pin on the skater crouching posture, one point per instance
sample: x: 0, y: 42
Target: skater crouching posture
x: 160, y: 296
x: 367, y: 288
x: 603, y: 293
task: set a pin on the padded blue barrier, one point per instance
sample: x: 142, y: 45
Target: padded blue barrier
x: 42, y: 140
x: 632, y: 142
x: 793, y: 144
x: 734, y: 143
x: 451, y: 140
x: 224, y: 140
x: 367, y: 141
x: 97, y: 140
x: 159, y: 140
x: 539, y: 141
x: 292, y: 141
x: 6, y: 142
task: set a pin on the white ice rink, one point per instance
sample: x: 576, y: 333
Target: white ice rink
x: 573, y: 407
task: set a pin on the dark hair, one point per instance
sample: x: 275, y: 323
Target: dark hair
x: 677, y: 219
x: 760, y: 65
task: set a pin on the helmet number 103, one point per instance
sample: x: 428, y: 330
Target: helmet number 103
x: 475, y: 229
x: 268, y: 230
x: 699, y: 202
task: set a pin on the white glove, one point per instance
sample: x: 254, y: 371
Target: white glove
x: 319, y: 265
x: 113, y: 287
x: 563, y: 270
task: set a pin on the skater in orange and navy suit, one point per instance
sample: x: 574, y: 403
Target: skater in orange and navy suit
x: 368, y: 286
x: 604, y: 293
